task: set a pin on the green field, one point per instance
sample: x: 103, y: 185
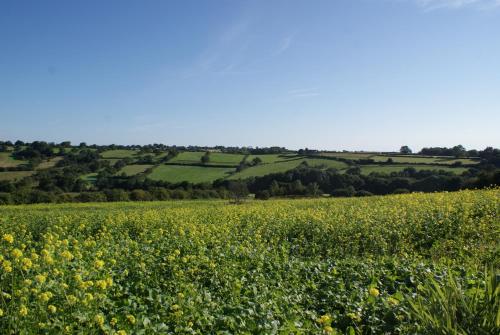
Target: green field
x: 132, y: 170
x: 349, y: 155
x: 406, y: 264
x: 283, y: 166
x: 367, y: 169
x: 273, y: 158
x: 49, y: 163
x: 119, y: 153
x: 425, y: 160
x: 6, y: 160
x: 192, y: 174
x: 216, y: 158
x: 90, y: 177
x: 15, y: 175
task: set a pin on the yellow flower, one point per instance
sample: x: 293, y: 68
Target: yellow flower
x: 325, y: 319
x: 72, y: 299
x: 99, y: 319
x: 9, y: 238
x: 102, y: 284
x: 393, y: 301
x: 16, y: 253
x: 27, y: 264
x: 41, y: 278
x: 52, y: 309
x: 98, y: 264
x: 113, y: 321
x: 23, y: 311
x: 7, y: 266
x: 131, y: 318
x: 45, y: 296
x: 67, y: 255
x: 121, y: 332
x: 374, y: 292
x: 328, y: 329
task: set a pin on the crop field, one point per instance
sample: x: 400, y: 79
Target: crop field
x: 132, y: 170
x: 193, y: 174
x: 15, y: 175
x: 371, y: 265
x: 367, y: 169
x: 118, y: 154
x: 6, y: 160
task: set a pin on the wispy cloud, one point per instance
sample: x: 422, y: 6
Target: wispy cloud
x: 456, y: 4
x: 303, y: 92
x: 283, y: 46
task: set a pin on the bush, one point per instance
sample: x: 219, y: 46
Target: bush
x: 344, y: 192
x: 262, y: 195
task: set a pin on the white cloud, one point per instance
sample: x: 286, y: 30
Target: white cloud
x: 456, y: 4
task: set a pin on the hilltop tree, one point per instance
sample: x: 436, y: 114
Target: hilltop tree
x: 405, y: 150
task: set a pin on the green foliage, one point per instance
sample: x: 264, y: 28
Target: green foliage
x: 452, y: 305
x: 313, y: 266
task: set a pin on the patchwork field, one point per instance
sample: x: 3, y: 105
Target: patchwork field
x: 193, y: 174
x: 132, y: 170
x: 15, y: 175
x: 6, y: 160
x: 377, y: 265
x: 216, y: 158
x: 118, y: 153
x: 367, y: 169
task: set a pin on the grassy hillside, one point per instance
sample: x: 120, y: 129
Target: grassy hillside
x: 216, y: 158
x: 345, y: 266
x: 367, y: 169
x: 6, y: 160
x: 132, y: 170
x: 193, y: 174
x: 118, y: 153
x: 15, y: 175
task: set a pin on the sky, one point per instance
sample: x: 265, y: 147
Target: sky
x: 332, y: 75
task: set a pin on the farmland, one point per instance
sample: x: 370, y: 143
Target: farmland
x: 194, y: 174
x: 317, y: 266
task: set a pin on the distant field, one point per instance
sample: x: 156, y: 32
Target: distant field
x: 426, y: 160
x: 132, y: 170
x: 367, y: 169
x: 216, y: 158
x: 13, y: 175
x: 272, y: 158
x: 6, y: 160
x: 193, y: 174
x: 111, y: 161
x: 118, y: 153
x: 283, y: 166
x: 46, y: 164
x: 349, y: 155
x: 90, y: 177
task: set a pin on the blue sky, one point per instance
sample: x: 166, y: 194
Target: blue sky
x: 334, y: 74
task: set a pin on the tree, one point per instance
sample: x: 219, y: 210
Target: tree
x: 405, y: 150
x: 205, y: 158
x: 238, y: 190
